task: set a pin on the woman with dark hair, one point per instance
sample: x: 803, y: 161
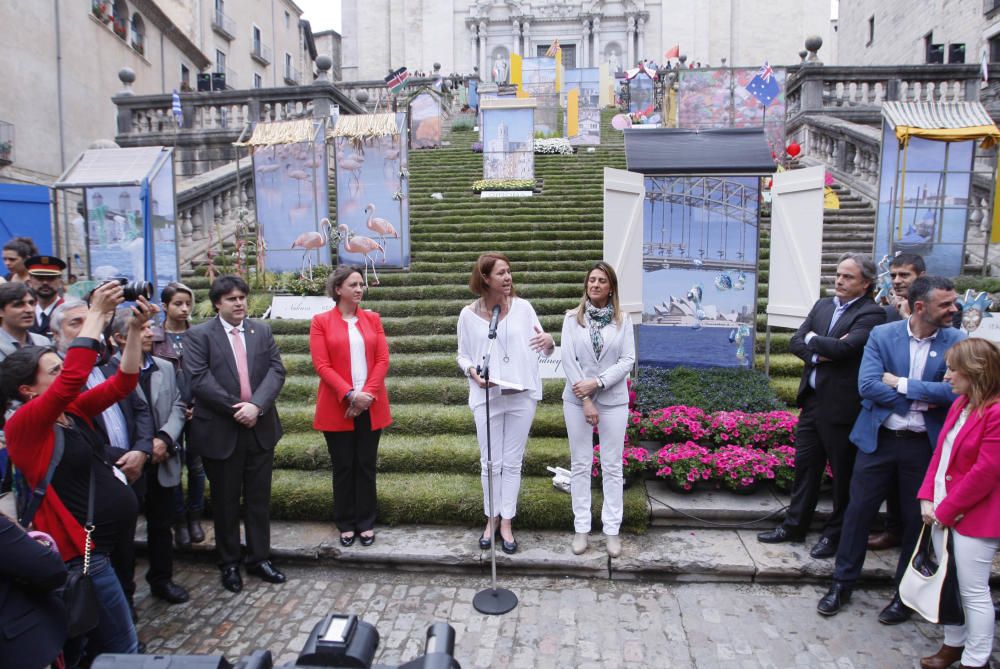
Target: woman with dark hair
x: 351, y: 356
x: 960, y: 491
x: 177, y: 302
x: 519, y: 339
x: 50, y: 395
x: 598, y: 351
x: 15, y: 252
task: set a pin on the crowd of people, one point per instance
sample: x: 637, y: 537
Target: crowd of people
x: 107, y: 406
x: 906, y: 410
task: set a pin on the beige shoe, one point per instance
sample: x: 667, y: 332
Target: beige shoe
x: 614, y: 545
x: 579, y: 543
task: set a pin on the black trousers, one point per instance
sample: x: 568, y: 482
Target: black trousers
x: 900, y: 456
x: 156, y: 502
x: 354, y: 456
x: 817, y: 441
x: 245, y: 473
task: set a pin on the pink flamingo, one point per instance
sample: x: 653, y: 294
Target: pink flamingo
x: 360, y: 244
x: 352, y: 163
x: 381, y: 227
x: 311, y: 241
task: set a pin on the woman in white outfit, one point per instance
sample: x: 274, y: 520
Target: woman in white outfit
x: 598, y: 351
x: 515, y: 384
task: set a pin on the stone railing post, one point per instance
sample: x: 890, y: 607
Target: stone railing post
x: 127, y: 77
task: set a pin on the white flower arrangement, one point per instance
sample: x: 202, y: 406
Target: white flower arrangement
x: 559, y: 146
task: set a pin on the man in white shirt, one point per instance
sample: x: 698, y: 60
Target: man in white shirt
x: 904, y: 403
x: 17, y: 309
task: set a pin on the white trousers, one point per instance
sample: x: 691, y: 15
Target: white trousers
x: 510, y: 423
x: 611, y: 428
x: 973, y: 558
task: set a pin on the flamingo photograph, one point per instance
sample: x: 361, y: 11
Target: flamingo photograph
x: 371, y: 178
x: 363, y: 246
x: 292, y: 192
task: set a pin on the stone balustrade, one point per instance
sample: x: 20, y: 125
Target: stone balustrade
x: 850, y: 151
x: 375, y: 95
x: 212, y: 206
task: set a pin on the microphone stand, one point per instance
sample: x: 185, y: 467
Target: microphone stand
x: 493, y: 600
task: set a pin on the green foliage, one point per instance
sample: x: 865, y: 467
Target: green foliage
x: 463, y: 124
x: 502, y: 184
x: 989, y: 284
x: 298, y: 284
x: 718, y: 389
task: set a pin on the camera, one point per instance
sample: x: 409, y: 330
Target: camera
x: 132, y: 290
x: 337, y: 642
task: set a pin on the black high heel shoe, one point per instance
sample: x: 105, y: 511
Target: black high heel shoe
x: 369, y: 540
x: 508, y: 547
x: 347, y: 542
x: 485, y: 542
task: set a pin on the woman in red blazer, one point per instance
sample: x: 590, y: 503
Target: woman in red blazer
x: 351, y: 356
x: 962, y: 491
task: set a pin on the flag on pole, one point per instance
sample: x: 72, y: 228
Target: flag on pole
x: 175, y: 107
x: 764, y: 86
x: 397, y: 80
x: 553, y: 48
x: 672, y: 52
x: 984, y: 68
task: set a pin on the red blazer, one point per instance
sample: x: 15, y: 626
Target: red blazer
x: 331, y: 356
x: 973, y: 478
x: 31, y: 437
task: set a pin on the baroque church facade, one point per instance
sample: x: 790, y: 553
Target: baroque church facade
x: 379, y: 35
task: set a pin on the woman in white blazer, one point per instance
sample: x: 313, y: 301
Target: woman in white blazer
x: 598, y: 351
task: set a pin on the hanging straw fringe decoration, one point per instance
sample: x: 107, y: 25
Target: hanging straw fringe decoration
x: 281, y: 132
x: 366, y: 126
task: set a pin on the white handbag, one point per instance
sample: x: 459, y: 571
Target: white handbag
x: 930, y: 583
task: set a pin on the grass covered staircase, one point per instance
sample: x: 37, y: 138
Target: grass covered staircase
x: 429, y: 457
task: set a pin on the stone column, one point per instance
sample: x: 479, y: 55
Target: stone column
x: 598, y: 51
x: 527, y: 52
x: 473, y: 45
x: 515, y: 40
x: 629, y: 43
x: 484, y: 52
x: 584, y: 43
x: 641, y: 30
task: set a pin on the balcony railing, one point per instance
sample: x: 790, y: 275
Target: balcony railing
x: 292, y: 76
x: 223, y: 26
x: 261, y: 53
x: 6, y: 143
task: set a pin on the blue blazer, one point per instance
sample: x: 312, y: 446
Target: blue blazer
x: 888, y: 350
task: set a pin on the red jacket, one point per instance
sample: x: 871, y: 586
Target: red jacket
x: 331, y: 356
x: 972, y: 484
x: 31, y: 437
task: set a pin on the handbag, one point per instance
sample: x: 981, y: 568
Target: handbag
x: 930, y: 583
x: 79, y: 593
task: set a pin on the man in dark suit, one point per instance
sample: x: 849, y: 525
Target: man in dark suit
x: 904, y: 269
x: 904, y: 403
x: 830, y: 341
x: 235, y: 374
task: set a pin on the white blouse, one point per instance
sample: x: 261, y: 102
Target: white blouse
x: 359, y: 364
x: 512, y: 358
x: 946, y: 445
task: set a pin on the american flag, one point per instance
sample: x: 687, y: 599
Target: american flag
x: 764, y: 85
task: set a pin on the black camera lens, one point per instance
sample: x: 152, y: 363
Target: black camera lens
x: 131, y: 290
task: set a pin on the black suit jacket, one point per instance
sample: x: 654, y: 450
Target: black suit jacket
x: 210, y: 366
x: 32, y: 617
x: 837, y: 378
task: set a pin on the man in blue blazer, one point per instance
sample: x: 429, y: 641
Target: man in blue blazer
x: 904, y: 401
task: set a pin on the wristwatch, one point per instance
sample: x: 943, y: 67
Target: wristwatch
x: 600, y: 382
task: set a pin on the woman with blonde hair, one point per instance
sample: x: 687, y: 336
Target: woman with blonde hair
x: 598, y: 351
x: 961, y: 492
x: 519, y: 339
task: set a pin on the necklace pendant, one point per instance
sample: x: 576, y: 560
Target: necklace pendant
x: 506, y: 358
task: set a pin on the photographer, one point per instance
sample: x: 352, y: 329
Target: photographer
x: 51, y: 398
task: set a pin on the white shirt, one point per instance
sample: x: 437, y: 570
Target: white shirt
x: 946, y: 445
x: 512, y: 358
x: 359, y: 364
x: 229, y: 337
x: 914, y: 419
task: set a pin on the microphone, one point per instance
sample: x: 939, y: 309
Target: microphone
x: 493, y: 322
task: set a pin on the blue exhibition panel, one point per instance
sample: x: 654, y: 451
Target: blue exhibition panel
x: 26, y: 210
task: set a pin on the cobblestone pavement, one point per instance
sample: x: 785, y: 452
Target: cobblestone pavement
x: 560, y: 622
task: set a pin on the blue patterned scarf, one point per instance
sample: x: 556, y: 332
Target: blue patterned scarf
x: 597, y: 319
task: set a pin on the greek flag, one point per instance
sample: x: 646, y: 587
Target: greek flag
x: 176, y: 109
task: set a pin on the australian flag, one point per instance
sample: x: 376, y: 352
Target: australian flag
x: 764, y: 86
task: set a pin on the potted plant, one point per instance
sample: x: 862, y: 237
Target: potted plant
x: 742, y: 468
x: 775, y: 428
x: 635, y: 461
x: 675, y: 424
x: 683, y: 465
x: 784, y: 468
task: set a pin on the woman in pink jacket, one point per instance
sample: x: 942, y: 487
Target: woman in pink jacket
x: 962, y: 491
